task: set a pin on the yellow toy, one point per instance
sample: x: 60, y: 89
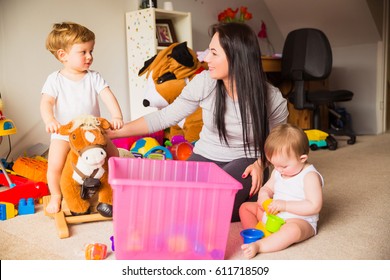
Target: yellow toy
x: 273, y: 222
x: 266, y: 203
x: 7, y: 211
x: 167, y: 73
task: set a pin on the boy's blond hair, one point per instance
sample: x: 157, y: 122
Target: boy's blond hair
x: 66, y: 34
x: 286, y: 138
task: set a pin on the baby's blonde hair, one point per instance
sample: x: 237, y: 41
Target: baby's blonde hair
x: 286, y: 138
x: 65, y: 35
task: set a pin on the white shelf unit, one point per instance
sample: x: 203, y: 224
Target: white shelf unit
x: 142, y: 45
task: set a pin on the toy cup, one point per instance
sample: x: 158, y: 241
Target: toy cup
x: 251, y: 235
x: 181, y: 151
x: 274, y: 223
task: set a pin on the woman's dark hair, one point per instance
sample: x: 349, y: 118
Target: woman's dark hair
x: 243, y: 54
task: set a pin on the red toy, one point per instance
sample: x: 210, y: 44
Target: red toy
x: 24, y: 188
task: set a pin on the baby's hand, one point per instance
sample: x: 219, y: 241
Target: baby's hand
x: 277, y: 206
x: 117, y: 123
x: 53, y: 126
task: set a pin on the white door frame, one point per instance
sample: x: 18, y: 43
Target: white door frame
x: 384, y: 73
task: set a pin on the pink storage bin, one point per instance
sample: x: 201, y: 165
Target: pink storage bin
x: 167, y: 209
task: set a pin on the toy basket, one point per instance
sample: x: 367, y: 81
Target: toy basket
x: 167, y: 209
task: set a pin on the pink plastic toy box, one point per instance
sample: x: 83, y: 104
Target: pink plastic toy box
x: 167, y: 209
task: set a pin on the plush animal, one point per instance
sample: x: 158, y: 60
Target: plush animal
x: 167, y: 73
x: 85, y: 171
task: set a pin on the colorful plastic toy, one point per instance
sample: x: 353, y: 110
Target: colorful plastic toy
x: 251, y: 235
x: 95, y: 251
x: 29, y: 189
x: 320, y: 139
x: 181, y: 151
x: 112, y: 243
x: 274, y: 223
x: 7, y: 211
x: 34, y: 169
x: 147, y: 146
x: 143, y: 145
x: 261, y: 226
x: 7, y: 127
x: 179, y: 147
x: 6, y: 176
x: 26, y: 207
x: 17, y: 180
x: 266, y: 203
x: 159, y: 150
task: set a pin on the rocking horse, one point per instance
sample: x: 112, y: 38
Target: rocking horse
x: 84, y: 177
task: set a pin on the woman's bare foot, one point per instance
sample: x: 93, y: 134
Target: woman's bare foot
x: 250, y: 250
x: 54, y: 204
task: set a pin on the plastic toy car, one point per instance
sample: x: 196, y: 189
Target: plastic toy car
x: 320, y: 139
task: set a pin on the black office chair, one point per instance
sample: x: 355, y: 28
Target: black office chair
x: 307, y: 56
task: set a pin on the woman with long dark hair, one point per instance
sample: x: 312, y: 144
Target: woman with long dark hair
x: 238, y: 106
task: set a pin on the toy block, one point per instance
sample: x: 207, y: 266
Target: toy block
x: 31, y: 168
x: 7, y: 211
x: 26, y: 207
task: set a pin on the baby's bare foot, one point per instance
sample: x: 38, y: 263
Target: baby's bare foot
x: 54, y: 204
x: 250, y: 250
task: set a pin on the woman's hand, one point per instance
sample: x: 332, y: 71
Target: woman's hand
x: 256, y: 171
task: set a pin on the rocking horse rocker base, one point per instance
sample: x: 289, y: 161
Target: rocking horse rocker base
x: 64, y: 218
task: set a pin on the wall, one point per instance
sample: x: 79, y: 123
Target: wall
x: 204, y: 13
x: 25, y: 63
x: 356, y: 34
x: 359, y: 76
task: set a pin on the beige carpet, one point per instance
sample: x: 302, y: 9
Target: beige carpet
x: 354, y: 222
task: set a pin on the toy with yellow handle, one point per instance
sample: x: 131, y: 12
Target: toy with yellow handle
x: 273, y: 222
x: 265, y: 205
x: 260, y: 225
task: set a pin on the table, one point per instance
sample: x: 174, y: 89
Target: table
x: 271, y: 64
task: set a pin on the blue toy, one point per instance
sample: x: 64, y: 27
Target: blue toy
x: 7, y: 211
x: 147, y: 147
x: 26, y: 207
x: 251, y: 235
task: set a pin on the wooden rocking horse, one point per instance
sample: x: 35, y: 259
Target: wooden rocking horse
x: 84, y: 177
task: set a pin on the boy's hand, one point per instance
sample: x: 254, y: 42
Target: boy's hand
x: 117, y: 123
x: 53, y: 126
